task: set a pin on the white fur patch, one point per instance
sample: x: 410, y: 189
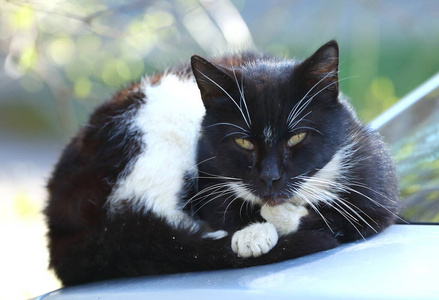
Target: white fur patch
x: 243, y: 193
x: 254, y: 240
x: 285, y: 217
x: 327, y: 183
x: 169, y: 123
x: 216, y: 235
x: 268, y: 135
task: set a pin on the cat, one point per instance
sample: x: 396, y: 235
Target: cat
x: 236, y: 161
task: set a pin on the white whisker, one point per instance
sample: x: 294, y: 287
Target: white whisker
x: 298, y: 194
x: 241, y: 92
x: 345, y: 188
x: 214, y: 188
x: 355, y: 209
x: 243, y: 135
x: 230, y: 97
x: 308, y: 128
x: 291, y: 125
x: 304, y: 106
x: 229, y: 124
x: 292, y: 115
x: 213, y: 176
x: 221, y: 194
x: 206, y: 160
x: 231, y: 202
x: 341, y: 211
x: 299, y: 107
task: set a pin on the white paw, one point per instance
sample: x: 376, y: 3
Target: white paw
x: 285, y: 217
x: 254, y: 240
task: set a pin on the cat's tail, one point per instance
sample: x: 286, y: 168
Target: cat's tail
x: 136, y: 246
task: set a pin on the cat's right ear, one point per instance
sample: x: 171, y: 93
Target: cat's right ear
x: 212, y: 81
x: 320, y: 71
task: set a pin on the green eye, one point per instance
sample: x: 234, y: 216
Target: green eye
x: 296, y: 139
x: 245, y: 144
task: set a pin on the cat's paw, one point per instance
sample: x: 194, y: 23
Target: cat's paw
x: 285, y: 217
x: 254, y: 240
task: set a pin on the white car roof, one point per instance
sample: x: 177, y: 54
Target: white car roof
x: 399, y: 263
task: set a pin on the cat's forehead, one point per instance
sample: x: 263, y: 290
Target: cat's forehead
x: 271, y: 84
x: 269, y: 92
x: 264, y: 73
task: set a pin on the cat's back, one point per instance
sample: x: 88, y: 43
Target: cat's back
x: 91, y: 163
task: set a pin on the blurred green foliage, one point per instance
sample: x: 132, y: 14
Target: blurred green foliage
x: 63, y: 57
x: 417, y: 156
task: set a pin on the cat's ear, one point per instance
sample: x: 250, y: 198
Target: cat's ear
x: 320, y: 71
x: 212, y: 81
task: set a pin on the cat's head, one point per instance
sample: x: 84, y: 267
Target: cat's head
x: 271, y: 122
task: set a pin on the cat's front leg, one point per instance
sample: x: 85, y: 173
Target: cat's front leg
x: 254, y: 240
x: 284, y: 217
x: 259, y: 238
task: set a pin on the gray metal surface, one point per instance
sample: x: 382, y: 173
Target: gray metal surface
x: 411, y: 130
x: 394, y: 114
x: 400, y: 263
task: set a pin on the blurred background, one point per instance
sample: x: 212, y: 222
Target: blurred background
x: 61, y: 58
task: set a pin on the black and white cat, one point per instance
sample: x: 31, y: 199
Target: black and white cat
x: 242, y: 160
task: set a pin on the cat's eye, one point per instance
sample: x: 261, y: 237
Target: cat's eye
x: 245, y: 144
x: 296, y: 139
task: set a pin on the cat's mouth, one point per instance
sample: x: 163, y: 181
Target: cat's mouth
x: 274, y: 200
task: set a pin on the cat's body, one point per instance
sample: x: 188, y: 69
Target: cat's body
x: 267, y: 152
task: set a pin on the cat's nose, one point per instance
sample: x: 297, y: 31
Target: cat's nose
x: 269, y: 170
x: 270, y: 175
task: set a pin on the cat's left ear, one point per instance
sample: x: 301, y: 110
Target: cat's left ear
x: 212, y: 81
x: 320, y: 71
